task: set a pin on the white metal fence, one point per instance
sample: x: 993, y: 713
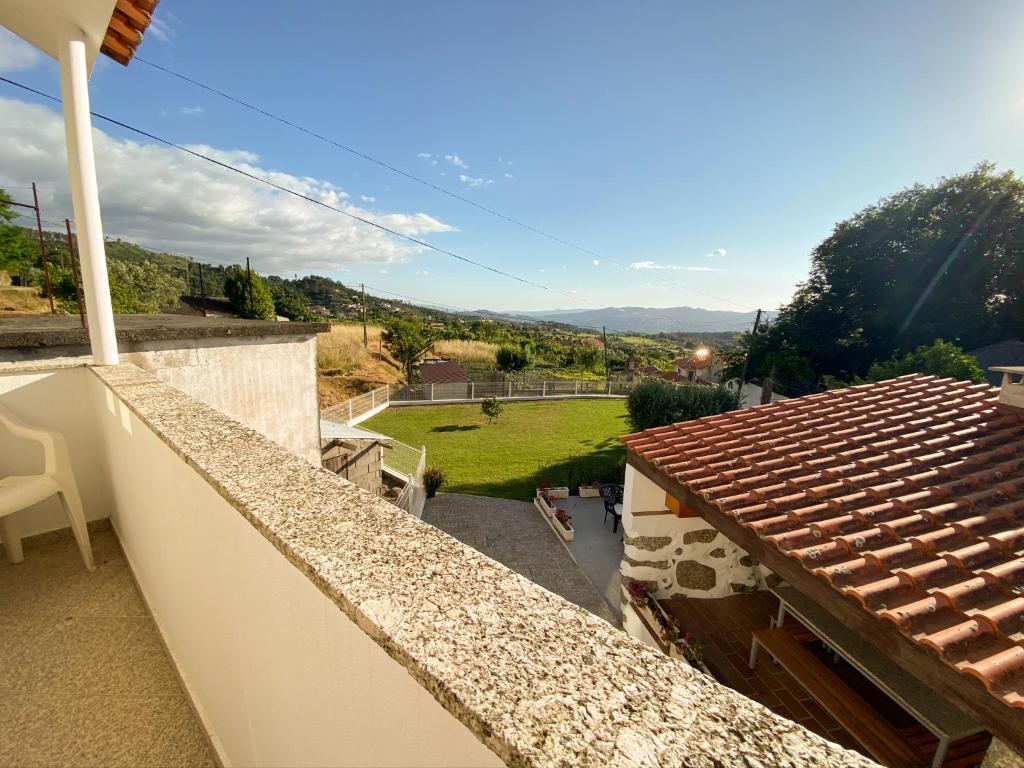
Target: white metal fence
x: 478, y: 390
x: 359, y: 407
x: 408, y: 462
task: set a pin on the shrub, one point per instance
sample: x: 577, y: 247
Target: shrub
x: 491, y: 408
x: 256, y: 304
x: 939, y: 359
x: 655, y: 403
x: 433, y: 479
x: 513, y: 360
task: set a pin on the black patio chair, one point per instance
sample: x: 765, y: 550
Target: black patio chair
x: 611, y: 494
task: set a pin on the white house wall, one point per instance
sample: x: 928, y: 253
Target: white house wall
x: 679, y: 556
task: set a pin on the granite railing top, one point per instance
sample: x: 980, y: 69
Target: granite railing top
x: 33, y: 331
x: 540, y: 681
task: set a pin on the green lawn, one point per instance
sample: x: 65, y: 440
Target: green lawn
x: 565, y: 441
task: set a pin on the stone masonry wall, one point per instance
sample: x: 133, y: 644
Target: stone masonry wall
x: 681, y: 556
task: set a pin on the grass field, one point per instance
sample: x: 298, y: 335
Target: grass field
x: 563, y: 441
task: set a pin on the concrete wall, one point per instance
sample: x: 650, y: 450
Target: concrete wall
x: 53, y: 400
x: 358, y: 461
x: 681, y: 556
x: 266, y: 382
x: 279, y: 675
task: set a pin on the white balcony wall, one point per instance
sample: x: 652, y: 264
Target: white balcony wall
x: 52, y: 400
x: 279, y: 675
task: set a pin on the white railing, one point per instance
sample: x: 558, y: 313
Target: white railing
x: 505, y: 390
x: 360, y: 407
x: 408, y: 462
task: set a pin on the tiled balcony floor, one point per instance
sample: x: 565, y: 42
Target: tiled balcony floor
x: 84, y: 677
x: 724, y: 628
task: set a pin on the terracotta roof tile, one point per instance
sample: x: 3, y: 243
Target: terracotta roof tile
x: 907, y: 495
x: 443, y: 372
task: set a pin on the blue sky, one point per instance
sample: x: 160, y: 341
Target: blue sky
x: 662, y: 135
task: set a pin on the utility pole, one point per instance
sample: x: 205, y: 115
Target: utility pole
x: 746, y: 360
x: 248, y: 275
x: 188, y: 283
x: 42, y: 249
x: 366, y: 343
x: 202, y: 288
x: 74, y: 274
x: 607, y: 373
x: 42, y: 245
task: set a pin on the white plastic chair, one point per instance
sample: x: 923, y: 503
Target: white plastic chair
x: 20, y: 491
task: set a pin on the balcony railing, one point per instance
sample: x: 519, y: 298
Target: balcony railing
x: 315, y: 624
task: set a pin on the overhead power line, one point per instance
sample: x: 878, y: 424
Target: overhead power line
x: 436, y: 187
x: 301, y: 196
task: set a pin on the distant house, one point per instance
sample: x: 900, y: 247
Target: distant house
x: 700, y: 366
x: 1009, y: 352
x: 442, y: 372
x: 649, y: 370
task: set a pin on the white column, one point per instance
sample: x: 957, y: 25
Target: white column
x: 74, y: 87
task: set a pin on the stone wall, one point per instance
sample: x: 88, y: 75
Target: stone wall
x: 680, y: 556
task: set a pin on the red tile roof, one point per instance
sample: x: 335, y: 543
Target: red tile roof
x: 444, y: 372
x: 907, y: 495
x: 128, y: 22
x: 694, y: 361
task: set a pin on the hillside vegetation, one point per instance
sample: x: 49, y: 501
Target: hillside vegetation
x: 347, y: 368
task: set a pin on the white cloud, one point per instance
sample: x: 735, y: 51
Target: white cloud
x: 164, y: 26
x: 15, y: 53
x: 673, y: 267
x: 457, y: 162
x: 193, y: 110
x: 382, y: 271
x: 717, y: 253
x: 424, y: 155
x: 164, y: 199
x: 509, y: 176
x: 422, y: 272
x: 368, y: 198
x: 474, y: 181
x: 596, y: 262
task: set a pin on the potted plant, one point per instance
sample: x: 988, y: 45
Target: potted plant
x: 433, y: 479
x: 670, y: 635
x: 544, y: 502
x: 562, y: 524
x: 557, y: 492
x: 590, y: 490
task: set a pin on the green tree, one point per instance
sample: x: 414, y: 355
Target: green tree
x: 257, y: 305
x: 939, y: 359
x: 18, y: 253
x: 408, y: 339
x: 932, y: 261
x: 656, y: 402
x: 134, y: 288
x: 513, y: 360
x: 294, y: 308
x: 491, y: 407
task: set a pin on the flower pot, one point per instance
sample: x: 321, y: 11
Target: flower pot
x: 543, y: 506
x: 562, y: 492
x: 589, y: 492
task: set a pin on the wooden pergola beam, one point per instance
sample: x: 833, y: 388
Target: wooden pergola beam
x: 965, y: 691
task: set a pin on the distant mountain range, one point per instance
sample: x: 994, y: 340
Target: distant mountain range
x: 642, y: 319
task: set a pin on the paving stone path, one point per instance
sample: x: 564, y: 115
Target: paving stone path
x: 514, y: 534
